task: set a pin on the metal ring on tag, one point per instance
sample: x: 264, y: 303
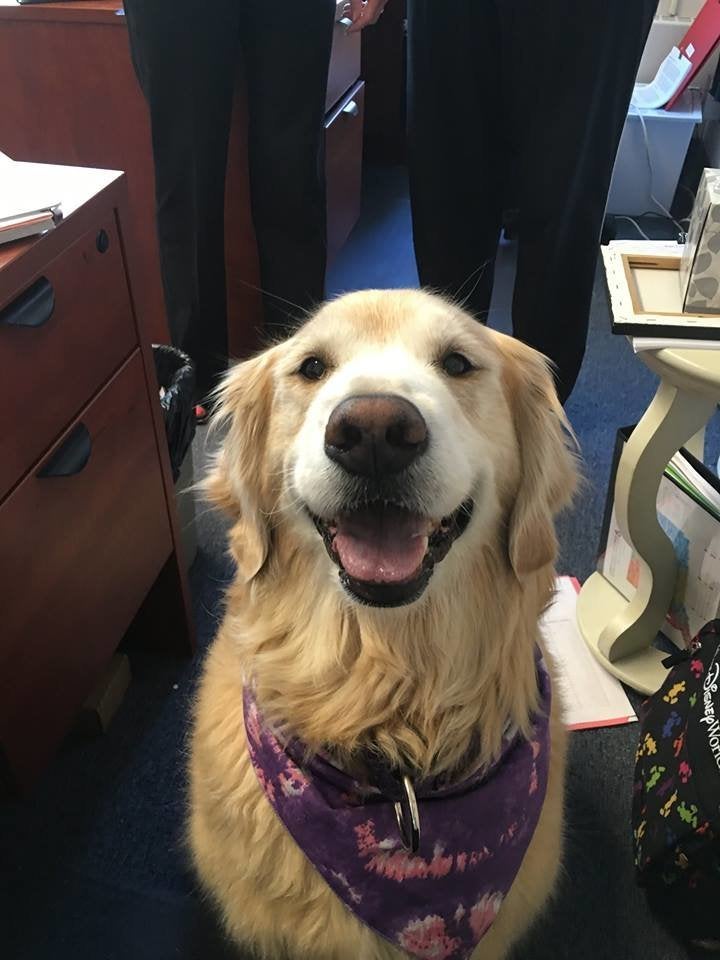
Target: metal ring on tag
x: 408, y: 817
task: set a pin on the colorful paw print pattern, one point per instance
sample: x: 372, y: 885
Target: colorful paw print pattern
x: 688, y: 814
x: 676, y: 821
x: 675, y: 692
x: 654, y: 778
x: 673, y: 721
x: 667, y: 807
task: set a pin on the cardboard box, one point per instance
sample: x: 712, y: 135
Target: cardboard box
x: 700, y: 263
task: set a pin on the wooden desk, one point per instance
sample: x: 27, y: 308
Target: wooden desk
x: 89, y: 537
x: 68, y: 94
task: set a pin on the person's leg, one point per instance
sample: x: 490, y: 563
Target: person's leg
x: 287, y: 59
x: 185, y: 56
x: 574, y: 66
x: 455, y: 140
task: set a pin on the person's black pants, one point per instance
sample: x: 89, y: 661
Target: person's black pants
x: 517, y: 104
x: 186, y: 55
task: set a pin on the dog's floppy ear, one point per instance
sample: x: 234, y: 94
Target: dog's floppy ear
x: 548, y: 470
x: 239, y: 480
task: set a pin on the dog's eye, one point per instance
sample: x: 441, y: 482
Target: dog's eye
x: 313, y: 368
x: 456, y: 365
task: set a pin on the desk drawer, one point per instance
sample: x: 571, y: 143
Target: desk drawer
x: 344, y: 60
x: 343, y: 162
x: 78, y: 551
x: 60, y: 340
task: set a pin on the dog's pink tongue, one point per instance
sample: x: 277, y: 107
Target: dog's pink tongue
x: 382, y: 545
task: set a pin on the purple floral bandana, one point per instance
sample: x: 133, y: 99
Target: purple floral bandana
x: 436, y: 904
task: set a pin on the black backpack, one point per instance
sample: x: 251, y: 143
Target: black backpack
x: 676, y: 800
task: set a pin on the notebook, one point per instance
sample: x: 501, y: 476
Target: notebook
x: 27, y: 187
x: 29, y: 224
x: 29, y: 205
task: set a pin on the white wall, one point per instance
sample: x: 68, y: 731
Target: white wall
x: 686, y: 9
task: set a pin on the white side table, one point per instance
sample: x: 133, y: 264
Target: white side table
x: 619, y: 632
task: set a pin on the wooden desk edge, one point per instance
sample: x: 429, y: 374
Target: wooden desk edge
x: 96, y: 11
x: 32, y: 254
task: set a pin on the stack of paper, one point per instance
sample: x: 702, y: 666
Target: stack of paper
x: 696, y: 486
x: 668, y: 81
x: 591, y: 696
x: 29, y: 224
x: 32, y: 186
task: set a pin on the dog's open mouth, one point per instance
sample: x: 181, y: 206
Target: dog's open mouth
x: 386, y: 553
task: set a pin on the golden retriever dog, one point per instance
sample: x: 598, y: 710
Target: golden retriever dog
x: 392, y: 472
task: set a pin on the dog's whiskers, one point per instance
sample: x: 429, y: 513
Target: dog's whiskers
x: 217, y: 618
x: 303, y: 313
x: 478, y: 273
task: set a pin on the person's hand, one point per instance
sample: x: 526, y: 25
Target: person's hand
x: 364, y: 13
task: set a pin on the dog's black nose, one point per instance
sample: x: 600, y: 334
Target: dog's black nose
x: 375, y: 434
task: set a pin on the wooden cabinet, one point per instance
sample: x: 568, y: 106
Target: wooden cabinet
x: 88, y: 528
x: 344, y: 60
x: 67, y: 332
x: 343, y: 134
x: 344, y: 140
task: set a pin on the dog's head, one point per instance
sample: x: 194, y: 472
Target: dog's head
x: 392, y: 435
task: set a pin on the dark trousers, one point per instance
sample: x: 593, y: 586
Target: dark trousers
x: 517, y: 104
x: 186, y: 54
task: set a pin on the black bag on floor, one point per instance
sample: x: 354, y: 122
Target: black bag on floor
x: 676, y: 803
x: 176, y: 378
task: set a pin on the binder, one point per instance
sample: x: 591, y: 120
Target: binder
x: 698, y: 43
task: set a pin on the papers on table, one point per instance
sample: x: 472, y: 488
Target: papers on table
x: 27, y: 188
x: 22, y: 192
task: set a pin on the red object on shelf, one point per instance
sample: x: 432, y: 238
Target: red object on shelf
x: 698, y: 43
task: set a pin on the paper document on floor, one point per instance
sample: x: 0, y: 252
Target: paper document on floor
x: 592, y: 697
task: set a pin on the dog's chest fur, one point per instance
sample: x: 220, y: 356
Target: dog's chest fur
x: 441, y: 900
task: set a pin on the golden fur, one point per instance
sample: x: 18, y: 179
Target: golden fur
x: 419, y: 680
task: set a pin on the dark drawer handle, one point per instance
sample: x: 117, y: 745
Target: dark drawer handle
x: 72, y: 457
x: 32, y: 308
